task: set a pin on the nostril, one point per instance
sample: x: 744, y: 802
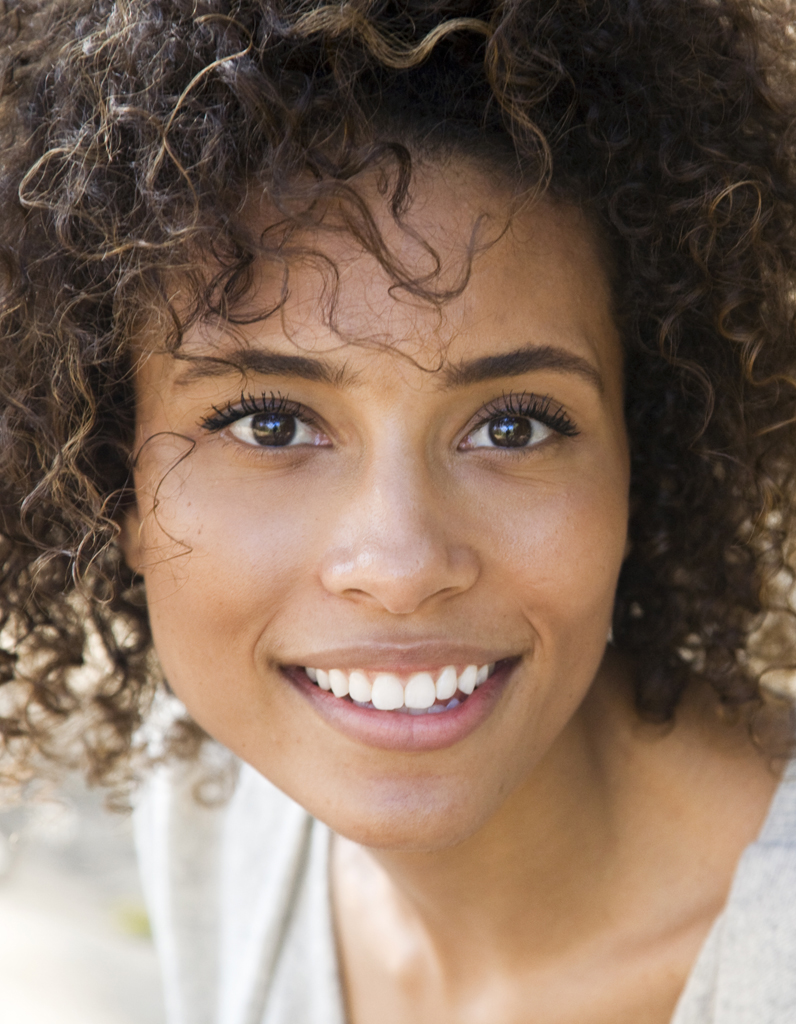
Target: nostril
x: 400, y: 578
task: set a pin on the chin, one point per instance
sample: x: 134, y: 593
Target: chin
x: 417, y: 818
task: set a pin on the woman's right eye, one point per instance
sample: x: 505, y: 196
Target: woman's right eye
x: 276, y: 430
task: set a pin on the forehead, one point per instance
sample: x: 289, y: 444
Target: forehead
x: 492, y: 278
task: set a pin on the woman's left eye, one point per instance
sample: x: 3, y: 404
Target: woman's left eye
x: 508, y: 431
x: 275, y: 430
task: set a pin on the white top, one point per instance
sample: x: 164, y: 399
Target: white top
x: 238, y: 896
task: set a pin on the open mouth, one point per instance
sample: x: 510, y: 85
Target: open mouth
x: 437, y: 706
x: 421, y: 693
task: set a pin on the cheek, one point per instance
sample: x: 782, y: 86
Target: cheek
x: 559, y: 547
x: 228, y: 559
x: 221, y: 561
x: 556, y: 554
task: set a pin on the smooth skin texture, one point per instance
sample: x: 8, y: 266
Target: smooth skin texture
x: 562, y: 861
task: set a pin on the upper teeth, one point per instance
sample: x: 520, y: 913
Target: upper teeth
x: 388, y: 692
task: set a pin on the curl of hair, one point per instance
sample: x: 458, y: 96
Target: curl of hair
x: 133, y: 132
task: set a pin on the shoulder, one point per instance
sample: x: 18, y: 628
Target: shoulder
x: 196, y: 809
x: 745, y: 974
x: 218, y: 877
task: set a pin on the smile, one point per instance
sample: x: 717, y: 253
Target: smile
x: 416, y: 694
x: 457, y: 698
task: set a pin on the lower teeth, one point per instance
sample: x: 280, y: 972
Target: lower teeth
x: 454, y: 702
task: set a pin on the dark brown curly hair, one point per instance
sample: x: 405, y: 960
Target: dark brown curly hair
x: 131, y: 134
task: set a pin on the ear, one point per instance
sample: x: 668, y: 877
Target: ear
x: 129, y: 538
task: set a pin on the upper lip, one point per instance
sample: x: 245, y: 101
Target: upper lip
x: 400, y: 657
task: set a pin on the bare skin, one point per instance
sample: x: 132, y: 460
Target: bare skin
x: 589, y: 904
x: 551, y: 858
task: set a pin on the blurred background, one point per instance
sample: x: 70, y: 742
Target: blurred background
x: 74, y: 939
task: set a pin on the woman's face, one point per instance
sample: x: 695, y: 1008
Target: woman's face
x: 420, y: 491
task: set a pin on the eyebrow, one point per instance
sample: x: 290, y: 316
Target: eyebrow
x: 475, y: 371
x: 265, y: 362
x: 522, y: 360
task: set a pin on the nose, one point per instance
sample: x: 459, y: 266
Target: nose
x: 395, y: 545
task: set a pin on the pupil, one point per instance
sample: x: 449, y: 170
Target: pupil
x: 510, y: 431
x: 270, y: 429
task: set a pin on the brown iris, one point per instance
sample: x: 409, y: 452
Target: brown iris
x: 510, y: 431
x: 273, y: 430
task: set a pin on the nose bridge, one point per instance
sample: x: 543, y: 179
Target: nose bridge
x: 395, y: 545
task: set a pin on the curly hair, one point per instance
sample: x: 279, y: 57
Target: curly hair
x: 132, y: 134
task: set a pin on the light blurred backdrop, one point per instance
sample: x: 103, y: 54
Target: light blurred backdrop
x: 74, y: 939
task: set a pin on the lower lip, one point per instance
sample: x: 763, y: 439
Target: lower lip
x: 392, y: 730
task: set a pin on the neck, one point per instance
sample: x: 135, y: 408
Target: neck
x: 616, y: 814
x: 516, y: 882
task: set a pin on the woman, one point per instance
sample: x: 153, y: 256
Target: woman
x: 416, y: 381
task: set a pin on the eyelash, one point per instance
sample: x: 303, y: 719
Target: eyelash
x: 534, y: 407
x: 251, y: 405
